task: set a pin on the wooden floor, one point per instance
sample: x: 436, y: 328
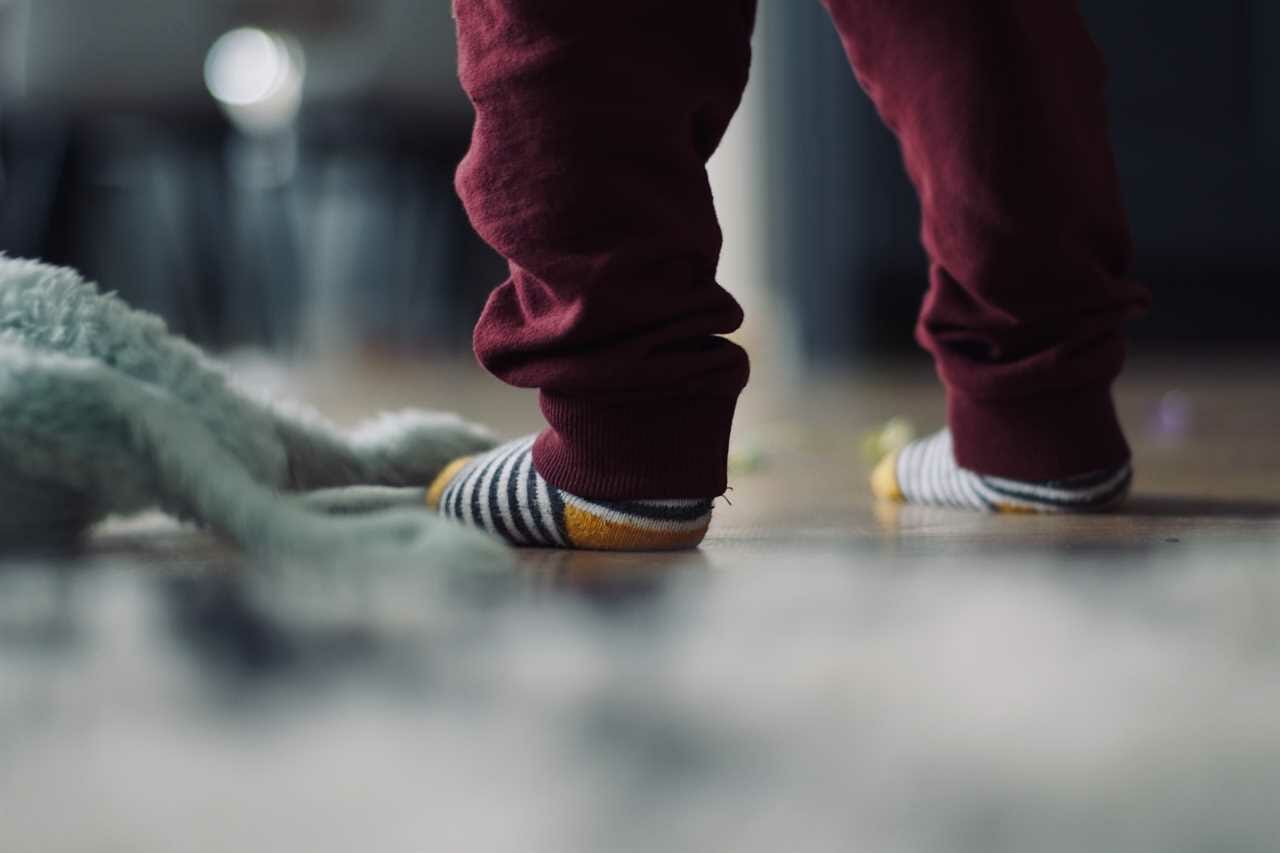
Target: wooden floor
x: 1204, y: 434
x: 824, y: 674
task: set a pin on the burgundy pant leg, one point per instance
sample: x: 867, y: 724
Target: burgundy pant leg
x: 998, y: 107
x: 594, y: 122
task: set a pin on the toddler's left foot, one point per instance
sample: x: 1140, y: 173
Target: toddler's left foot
x: 925, y: 472
x: 502, y: 493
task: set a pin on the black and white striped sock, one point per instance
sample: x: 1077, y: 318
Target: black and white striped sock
x: 925, y: 472
x: 502, y: 493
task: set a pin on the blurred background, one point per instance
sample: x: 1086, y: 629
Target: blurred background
x: 277, y: 173
x: 829, y: 673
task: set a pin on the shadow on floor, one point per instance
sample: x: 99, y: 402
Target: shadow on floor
x: 1179, y: 506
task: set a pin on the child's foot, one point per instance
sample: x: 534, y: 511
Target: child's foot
x: 925, y: 472
x: 502, y: 493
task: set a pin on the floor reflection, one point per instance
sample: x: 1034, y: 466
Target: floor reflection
x: 835, y: 700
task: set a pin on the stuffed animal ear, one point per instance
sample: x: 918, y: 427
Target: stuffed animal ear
x: 402, y: 449
x: 411, y: 447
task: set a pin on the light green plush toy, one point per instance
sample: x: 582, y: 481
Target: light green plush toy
x: 103, y: 412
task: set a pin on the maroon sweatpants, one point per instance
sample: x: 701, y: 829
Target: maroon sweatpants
x: 594, y: 122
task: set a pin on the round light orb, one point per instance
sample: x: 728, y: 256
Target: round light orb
x: 257, y: 78
x: 244, y: 66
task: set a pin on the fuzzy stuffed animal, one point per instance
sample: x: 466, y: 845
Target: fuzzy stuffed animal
x: 103, y: 412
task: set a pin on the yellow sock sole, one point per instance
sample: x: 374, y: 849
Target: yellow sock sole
x: 500, y: 492
x: 594, y: 532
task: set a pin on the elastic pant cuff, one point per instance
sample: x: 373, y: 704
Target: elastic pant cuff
x: 626, y: 448
x: 1037, y: 439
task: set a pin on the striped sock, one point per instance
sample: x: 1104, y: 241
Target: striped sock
x: 925, y: 472
x: 502, y: 493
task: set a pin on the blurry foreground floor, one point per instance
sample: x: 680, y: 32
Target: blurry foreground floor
x: 825, y: 674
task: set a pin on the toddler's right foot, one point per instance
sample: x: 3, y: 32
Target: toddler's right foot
x: 502, y: 493
x: 925, y: 472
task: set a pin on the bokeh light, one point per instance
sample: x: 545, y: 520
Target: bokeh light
x: 257, y: 77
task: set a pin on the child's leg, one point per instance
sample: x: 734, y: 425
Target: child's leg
x: 594, y: 122
x: 998, y: 106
